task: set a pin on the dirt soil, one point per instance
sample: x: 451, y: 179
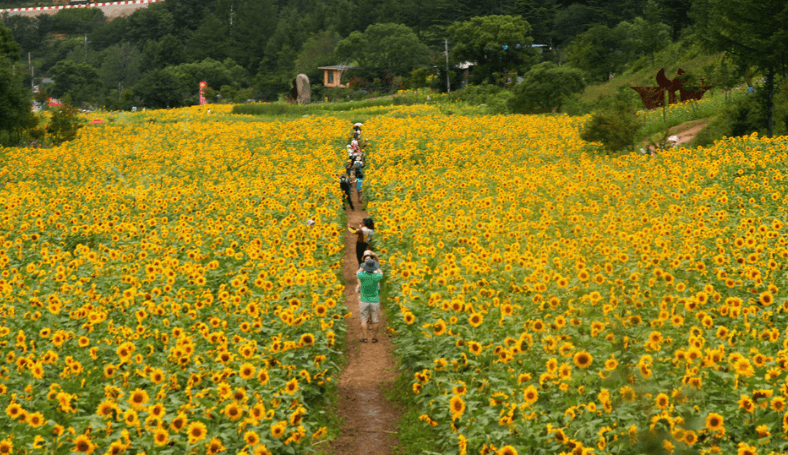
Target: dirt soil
x: 686, y: 132
x: 369, y: 421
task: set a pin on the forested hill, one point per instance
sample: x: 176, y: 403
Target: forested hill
x: 253, y: 48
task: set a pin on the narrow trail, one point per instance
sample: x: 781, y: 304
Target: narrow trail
x: 369, y: 421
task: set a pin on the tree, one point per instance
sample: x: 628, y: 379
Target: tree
x: 317, y: 51
x: 8, y: 47
x: 209, y: 40
x: 151, y: 23
x: 14, y: 97
x: 496, y: 44
x: 121, y: 66
x: 161, y: 89
x: 384, y: 48
x: 647, y: 34
x: 78, y: 21
x: 79, y: 80
x: 753, y: 34
x: 160, y: 54
x: 598, y: 51
x: 254, y: 21
x: 545, y: 88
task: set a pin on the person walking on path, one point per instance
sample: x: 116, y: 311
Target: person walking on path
x: 344, y: 185
x: 359, y: 176
x: 369, y: 275
x: 364, y: 235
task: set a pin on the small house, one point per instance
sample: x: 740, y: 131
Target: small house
x: 332, y: 75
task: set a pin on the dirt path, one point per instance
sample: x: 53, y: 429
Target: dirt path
x: 686, y: 132
x: 369, y: 421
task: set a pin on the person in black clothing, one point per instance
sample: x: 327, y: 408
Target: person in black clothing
x: 344, y: 185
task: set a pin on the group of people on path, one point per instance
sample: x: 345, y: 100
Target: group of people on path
x: 369, y: 273
x: 353, y: 175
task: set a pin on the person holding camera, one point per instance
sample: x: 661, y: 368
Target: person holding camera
x: 364, y: 235
x: 369, y: 276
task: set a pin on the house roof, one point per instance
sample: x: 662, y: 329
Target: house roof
x: 337, y: 67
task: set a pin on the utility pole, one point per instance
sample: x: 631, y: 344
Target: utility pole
x: 32, y: 75
x: 448, y: 84
x: 86, y: 47
x: 231, y: 18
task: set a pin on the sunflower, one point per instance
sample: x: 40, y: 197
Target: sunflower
x: 662, y: 401
x: 507, y: 450
x: 215, y: 446
x: 138, y: 399
x: 408, y: 317
x: 531, y: 395
x: 474, y: 347
x: 292, y: 386
x: 252, y: 438
x: 439, y: 327
x: 6, y: 447
x: 746, y: 449
x: 714, y: 421
x: 278, y: 429
x: 83, y: 444
x: 178, y: 422
x: 457, y: 407
x: 196, y: 432
x: 35, y: 419
x: 475, y: 319
x: 582, y: 359
x: 161, y: 436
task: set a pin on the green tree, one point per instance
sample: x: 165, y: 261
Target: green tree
x: 753, y: 34
x: 647, y: 34
x: 161, y: 89
x: 254, y: 21
x: 545, y: 88
x: 8, y: 47
x: 165, y: 52
x: 64, y: 124
x: 384, y: 47
x: 209, y: 40
x: 151, y: 23
x: 317, y: 51
x: 496, y: 44
x: 598, y: 51
x: 79, y: 80
x: 78, y: 21
x: 121, y: 66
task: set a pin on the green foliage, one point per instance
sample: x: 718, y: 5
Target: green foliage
x: 317, y: 51
x: 494, y: 98
x: 78, y: 80
x: 64, y: 124
x: 598, y: 51
x: 121, y: 66
x: 8, y: 47
x: 615, y: 128
x: 383, y: 48
x: 729, y: 27
x: 162, y: 89
x: 497, y: 45
x: 545, y: 88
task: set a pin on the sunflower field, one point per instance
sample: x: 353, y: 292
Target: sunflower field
x: 161, y: 291
x: 546, y: 299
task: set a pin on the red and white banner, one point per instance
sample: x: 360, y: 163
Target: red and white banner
x: 203, y: 86
x: 88, y: 5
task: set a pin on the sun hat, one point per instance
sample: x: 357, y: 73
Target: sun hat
x: 370, y: 265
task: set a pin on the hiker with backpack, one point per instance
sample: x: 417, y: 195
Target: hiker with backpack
x: 344, y: 185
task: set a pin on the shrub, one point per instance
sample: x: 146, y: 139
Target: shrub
x: 614, y: 127
x: 64, y: 124
x: 545, y: 88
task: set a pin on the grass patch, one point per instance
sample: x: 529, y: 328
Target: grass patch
x: 643, y: 72
x: 296, y: 110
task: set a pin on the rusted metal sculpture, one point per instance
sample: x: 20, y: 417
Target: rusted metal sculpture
x: 654, y: 97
